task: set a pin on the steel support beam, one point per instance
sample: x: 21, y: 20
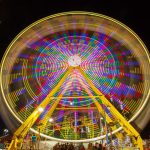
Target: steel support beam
x: 75, y: 97
x: 123, y: 122
x: 24, y: 128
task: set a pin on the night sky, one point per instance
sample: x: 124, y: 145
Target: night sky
x: 15, y: 15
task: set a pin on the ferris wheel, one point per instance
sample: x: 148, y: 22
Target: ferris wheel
x: 84, y: 72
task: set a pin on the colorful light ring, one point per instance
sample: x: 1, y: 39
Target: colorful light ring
x: 112, y: 56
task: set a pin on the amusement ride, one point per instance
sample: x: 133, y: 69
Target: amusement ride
x: 76, y: 77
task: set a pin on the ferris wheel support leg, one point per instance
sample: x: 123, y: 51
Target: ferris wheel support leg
x: 123, y: 122
x: 50, y: 112
x: 13, y: 145
x: 140, y: 142
x: 99, y: 107
x: 45, y: 119
x: 25, y: 127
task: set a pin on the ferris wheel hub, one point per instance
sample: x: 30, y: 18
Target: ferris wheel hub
x: 74, y: 61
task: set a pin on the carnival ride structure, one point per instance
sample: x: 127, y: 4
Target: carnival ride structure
x: 76, y: 77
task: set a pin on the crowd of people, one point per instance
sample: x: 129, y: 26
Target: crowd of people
x: 70, y: 146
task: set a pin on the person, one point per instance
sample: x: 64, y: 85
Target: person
x: 100, y: 146
x: 81, y: 146
x: 34, y: 140
x: 56, y: 147
x: 104, y: 146
x: 90, y: 146
x: 83, y: 132
x: 95, y: 147
x: 27, y: 141
x: 38, y: 140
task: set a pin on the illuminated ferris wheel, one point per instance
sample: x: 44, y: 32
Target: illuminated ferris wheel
x: 82, y: 71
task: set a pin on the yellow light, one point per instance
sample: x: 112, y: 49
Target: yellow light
x: 35, y: 113
x: 40, y: 109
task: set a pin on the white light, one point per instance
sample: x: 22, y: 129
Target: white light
x: 74, y: 61
x: 121, y: 106
x: 71, y: 103
x: 40, y: 109
x: 51, y: 120
x: 108, y: 107
x: 101, y: 118
x: 5, y: 130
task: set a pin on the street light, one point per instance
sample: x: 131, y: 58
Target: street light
x: 101, y: 118
x: 5, y: 131
x: 51, y: 119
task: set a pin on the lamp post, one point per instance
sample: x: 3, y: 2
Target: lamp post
x: 40, y: 109
x: 51, y: 120
x: 105, y: 124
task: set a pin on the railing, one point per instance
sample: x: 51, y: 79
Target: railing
x: 121, y: 148
x: 4, y: 146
